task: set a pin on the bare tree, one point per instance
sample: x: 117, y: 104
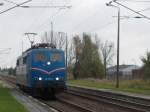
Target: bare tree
x: 107, y: 51
x: 71, y: 55
x: 59, y: 39
x: 45, y: 38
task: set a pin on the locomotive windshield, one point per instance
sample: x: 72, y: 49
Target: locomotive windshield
x: 48, y: 56
x: 40, y: 57
x: 55, y: 57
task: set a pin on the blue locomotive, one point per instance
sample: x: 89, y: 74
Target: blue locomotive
x: 40, y: 68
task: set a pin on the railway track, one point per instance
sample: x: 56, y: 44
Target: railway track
x: 77, y: 99
x: 63, y: 105
x: 100, y: 93
x: 133, y: 104
x: 59, y: 105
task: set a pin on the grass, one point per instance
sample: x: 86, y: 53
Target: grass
x: 132, y: 86
x: 8, y: 102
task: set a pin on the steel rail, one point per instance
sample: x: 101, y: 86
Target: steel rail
x: 125, y: 103
x: 115, y: 102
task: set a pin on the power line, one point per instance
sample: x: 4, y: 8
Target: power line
x: 112, y: 22
x: 47, y: 20
x: 36, y: 20
x: 57, y: 6
x: 27, y: 6
x: 134, y: 1
x: 14, y: 6
x: 132, y: 10
x: 109, y: 23
x: 60, y: 7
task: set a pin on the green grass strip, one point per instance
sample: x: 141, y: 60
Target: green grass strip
x: 133, y: 86
x: 8, y: 103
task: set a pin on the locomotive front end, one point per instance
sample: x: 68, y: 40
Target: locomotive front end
x: 48, y: 69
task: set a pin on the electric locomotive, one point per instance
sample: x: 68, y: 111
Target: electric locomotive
x: 40, y: 68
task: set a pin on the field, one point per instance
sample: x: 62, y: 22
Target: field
x: 8, y: 103
x: 133, y: 86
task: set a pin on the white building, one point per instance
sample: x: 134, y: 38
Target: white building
x: 125, y: 72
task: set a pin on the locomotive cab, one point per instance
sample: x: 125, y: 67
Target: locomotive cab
x: 42, y: 67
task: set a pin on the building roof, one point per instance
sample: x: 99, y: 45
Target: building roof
x: 123, y: 67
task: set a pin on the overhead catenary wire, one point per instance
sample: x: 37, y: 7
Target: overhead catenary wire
x: 45, y: 6
x: 132, y: 10
x: 112, y: 22
x: 53, y: 15
x: 35, y: 27
x: 59, y: 7
x: 15, y: 6
x: 141, y: 1
x: 47, y: 20
x: 36, y: 20
x: 56, y: 6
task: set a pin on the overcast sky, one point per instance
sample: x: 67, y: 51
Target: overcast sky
x: 91, y: 16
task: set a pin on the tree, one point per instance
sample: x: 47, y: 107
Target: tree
x: 71, y: 56
x: 107, y: 50
x: 78, y: 47
x: 146, y: 66
x: 88, y: 60
x: 45, y: 38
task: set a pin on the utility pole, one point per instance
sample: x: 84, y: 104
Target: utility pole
x: 66, y: 49
x: 52, y: 32
x: 118, y: 47
x: 105, y: 62
x: 66, y: 53
x: 118, y: 41
x: 118, y: 32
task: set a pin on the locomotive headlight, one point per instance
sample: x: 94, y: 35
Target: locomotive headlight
x: 57, y: 78
x: 40, y: 78
x: 48, y: 63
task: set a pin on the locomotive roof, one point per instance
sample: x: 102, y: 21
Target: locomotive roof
x: 39, y: 46
x: 42, y: 45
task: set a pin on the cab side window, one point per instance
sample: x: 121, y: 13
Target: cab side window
x: 17, y: 63
x: 24, y: 60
